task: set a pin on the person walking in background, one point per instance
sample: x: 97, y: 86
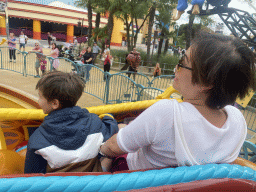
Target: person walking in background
x: 53, y: 39
x: 12, y: 47
x: 75, y: 43
x: 95, y: 51
x: 54, y: 54
x: 88, y: 57
x: 39, y: 53
x: 134, y: 60
x: 49, y: 38
x: 107, y: 64
x: 157, y: 70
x: 22, y: 40
x: 104, y: 55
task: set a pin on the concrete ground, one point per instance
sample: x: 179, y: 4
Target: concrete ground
x: 28, y: 84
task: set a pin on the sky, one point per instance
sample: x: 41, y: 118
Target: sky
x: 238, y: 4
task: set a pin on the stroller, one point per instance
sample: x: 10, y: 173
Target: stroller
x: 68, y: 53
x: 61, y: 52
x: 79, y: 69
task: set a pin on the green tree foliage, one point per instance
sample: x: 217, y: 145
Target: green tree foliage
x: 164, y: 23
x: 154, y: 5
x: 189, y: 30
x: 130, y: 12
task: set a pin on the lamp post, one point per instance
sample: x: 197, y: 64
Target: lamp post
x: 176, y: 27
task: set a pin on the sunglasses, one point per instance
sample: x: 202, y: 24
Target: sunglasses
x: 180, y: 65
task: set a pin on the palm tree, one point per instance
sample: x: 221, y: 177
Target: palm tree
x: 87, y: 4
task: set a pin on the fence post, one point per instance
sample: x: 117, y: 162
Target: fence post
x: 25, y: 64
x: 120, y: 60
x: 164, y: 69
x: 51, y: 61
x: 107, y: 87
x: 140, y: 88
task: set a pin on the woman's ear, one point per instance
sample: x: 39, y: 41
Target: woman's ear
x: 55, y: 103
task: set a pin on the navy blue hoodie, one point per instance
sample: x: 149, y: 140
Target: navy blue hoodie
x: 67, y: 136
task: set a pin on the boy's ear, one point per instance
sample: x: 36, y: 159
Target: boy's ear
x: 55, y: 103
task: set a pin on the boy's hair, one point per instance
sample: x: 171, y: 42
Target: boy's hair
x: 225, y: 64
x: 65, y: 87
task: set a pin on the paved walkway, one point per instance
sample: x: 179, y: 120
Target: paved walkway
x: 28, y: 84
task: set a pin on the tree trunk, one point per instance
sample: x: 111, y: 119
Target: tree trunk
x: 132, y: 43
x: 110, y: 27
x: 150, y: 26
x: 166, y: 45
x: 160, y: 45
x: 97, y: 21
x: 136, y: 33
x: 89, y: 7
x: 189, y: 30
x: 128, y: 34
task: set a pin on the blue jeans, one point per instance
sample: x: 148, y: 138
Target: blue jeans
x: 183, y: 4
x: 88, y: 68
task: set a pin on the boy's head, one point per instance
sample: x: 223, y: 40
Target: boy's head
x: 59, y: 90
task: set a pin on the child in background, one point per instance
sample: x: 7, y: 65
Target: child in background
x: 69, y: 138
x: 157, y: 70
x: 43, y: 64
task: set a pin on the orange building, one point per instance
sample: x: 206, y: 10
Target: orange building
x: 37, y: 19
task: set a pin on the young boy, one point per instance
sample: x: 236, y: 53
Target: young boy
x: 69, y: 138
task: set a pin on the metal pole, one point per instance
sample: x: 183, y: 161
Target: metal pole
x: 177, y: 27
x: 6, y: 19
x: 81, y: 34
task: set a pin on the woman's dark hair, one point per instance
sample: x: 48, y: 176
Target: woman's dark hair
x: 225, y: 64
x: 65, y: 87
x: 55, y: 45
x: 88, y: 49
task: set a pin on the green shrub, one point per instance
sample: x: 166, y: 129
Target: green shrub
x: 166, y: 61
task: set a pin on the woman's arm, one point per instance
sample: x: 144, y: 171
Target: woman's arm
x: 111, y: 148
x: 88, y: 60
x: 13, y: 42
x: 139, y: 133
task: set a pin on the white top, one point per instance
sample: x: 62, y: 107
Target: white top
x: 175, y: 134
x: 23, y: 38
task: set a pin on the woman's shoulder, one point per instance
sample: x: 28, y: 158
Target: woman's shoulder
x: 165, y: 104
x: 231, y: 110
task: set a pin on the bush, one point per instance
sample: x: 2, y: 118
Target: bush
x: 166, y: 61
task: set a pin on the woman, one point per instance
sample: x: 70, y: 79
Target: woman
x: 82, y: 53
x: 12, y: 47
x: 88, y: 57
x: 107, y: 63
x: 157, y: 70
x: 204, y: 128
x: 54, y: 54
